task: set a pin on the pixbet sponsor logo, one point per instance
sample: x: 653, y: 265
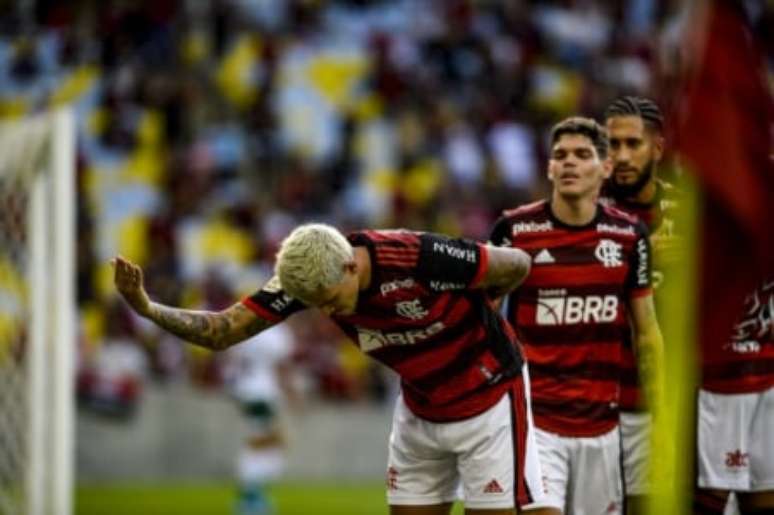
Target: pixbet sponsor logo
x: 616, y: 229
x: 371, y: 339
x: 398, y: 284
x: 521, y: 227
x: 573, y: 309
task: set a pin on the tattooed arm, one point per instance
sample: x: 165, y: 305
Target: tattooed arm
x: 507, y: 269
x: 213, y: 330
x: 210, y: 329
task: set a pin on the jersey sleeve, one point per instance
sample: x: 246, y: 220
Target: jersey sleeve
x: 450, y: 263
x: 272, y: 303
x: 638, y: 282
x: 501, y: 233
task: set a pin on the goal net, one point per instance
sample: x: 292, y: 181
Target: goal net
x: 37, y: 314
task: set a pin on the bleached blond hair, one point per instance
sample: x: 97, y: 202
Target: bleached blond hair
x: 312, y: 257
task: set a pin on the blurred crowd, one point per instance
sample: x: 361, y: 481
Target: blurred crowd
x: 208, y: 129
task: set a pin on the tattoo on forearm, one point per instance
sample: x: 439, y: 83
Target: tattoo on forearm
x: 215, y: 331
x: 507, y: 277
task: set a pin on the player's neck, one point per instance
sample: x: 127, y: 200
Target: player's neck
x: 574, y: 211
x: 363, y: 260
x: 646, y: 195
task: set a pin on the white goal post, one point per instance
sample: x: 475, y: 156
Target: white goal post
x: 37, y: 314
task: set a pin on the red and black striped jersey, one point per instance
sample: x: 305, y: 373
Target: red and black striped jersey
x: 746, y: 363
x: 571, y: 311
x: 423, y: 316
x: 658, y: 215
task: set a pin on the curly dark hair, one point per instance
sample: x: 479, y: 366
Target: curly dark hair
x: 644, y: 108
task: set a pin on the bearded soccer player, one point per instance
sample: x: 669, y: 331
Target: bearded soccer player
x: 418, y: 302
x: 635, y: 131
x: 736, y: 414
x: 590, y: 275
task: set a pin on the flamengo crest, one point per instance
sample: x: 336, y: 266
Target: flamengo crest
x: 608, y: 252
x: 411, y: 309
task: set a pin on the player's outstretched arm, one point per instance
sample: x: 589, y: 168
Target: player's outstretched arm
x: 214, y: 330
x: 508, y: 267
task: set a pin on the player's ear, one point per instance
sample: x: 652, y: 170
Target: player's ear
x: 350, y: 266
x: 658, y: 147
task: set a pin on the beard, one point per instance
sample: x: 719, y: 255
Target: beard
x: 622, y: 191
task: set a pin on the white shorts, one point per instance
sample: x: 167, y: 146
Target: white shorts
x: 473, y: 459
x: 635, y: 443
x: 582, y: 474
x: 260, y: 466
x: 735, y: 441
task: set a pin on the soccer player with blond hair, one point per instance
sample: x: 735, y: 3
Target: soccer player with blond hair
x: 419, y: 303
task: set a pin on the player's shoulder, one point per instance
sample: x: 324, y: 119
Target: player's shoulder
x: 527, y: 218
x: 525, y: 210
x: 368, y: 237
x: 619, y: 222
x: 619, y: 215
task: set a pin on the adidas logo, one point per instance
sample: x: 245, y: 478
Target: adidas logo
x: 544, y: 257
x: 493, y: 487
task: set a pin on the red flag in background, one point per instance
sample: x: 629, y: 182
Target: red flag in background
x: 724, y: 138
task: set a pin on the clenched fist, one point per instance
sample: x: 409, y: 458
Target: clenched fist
x: 129, y: 282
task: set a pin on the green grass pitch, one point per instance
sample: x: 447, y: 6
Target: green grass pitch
x: 289, y: 498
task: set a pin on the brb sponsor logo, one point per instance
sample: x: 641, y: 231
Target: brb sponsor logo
x: 371, y: 339
x: 576, y: 309
x: 465, y: 254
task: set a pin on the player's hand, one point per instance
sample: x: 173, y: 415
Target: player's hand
x: 129, y: 282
